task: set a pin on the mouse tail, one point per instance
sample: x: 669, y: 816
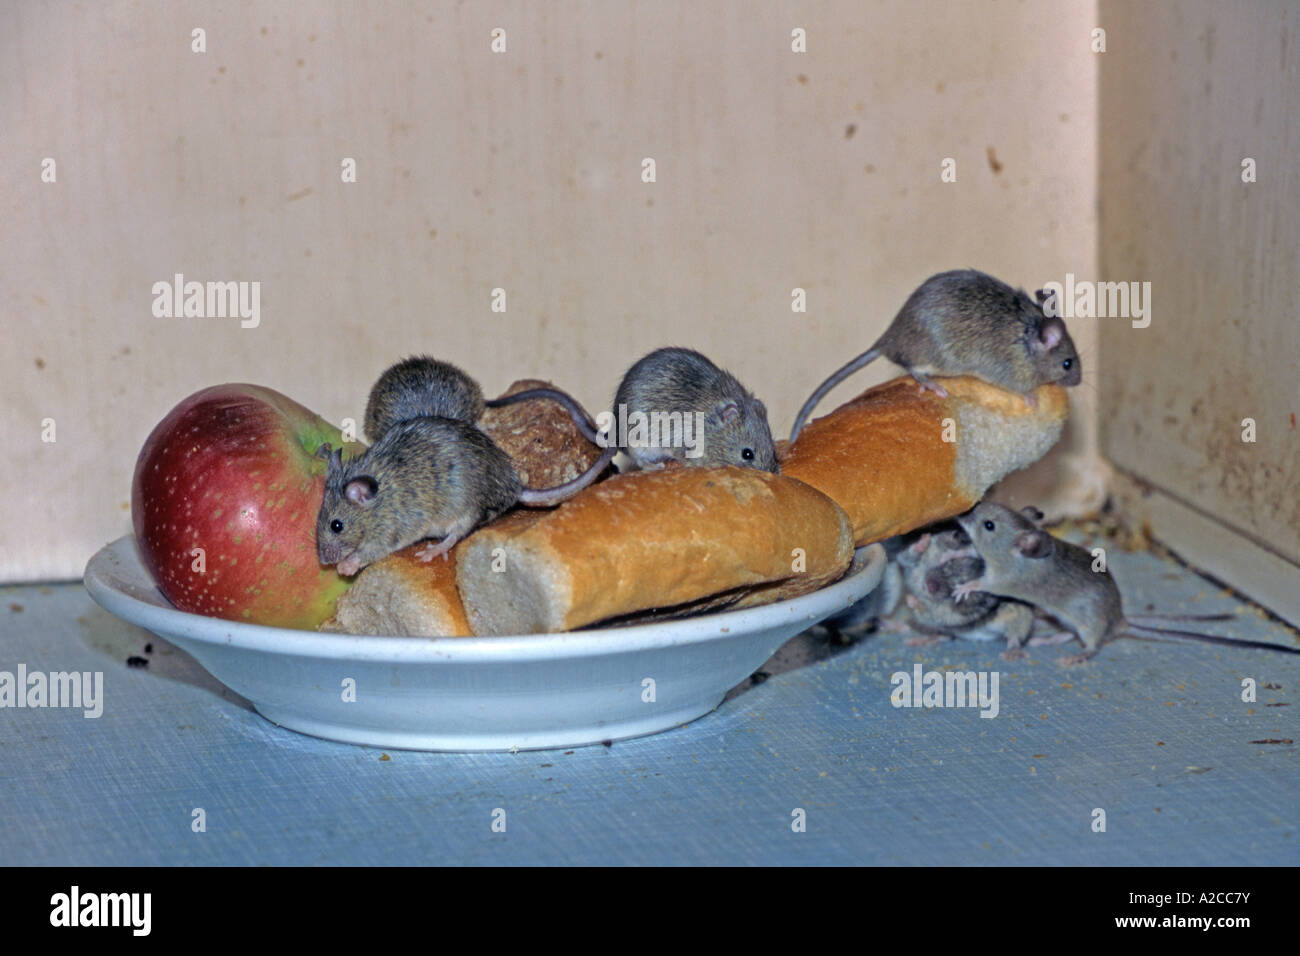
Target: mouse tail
x: 580, y: 416
x: 1156, y: 633
x: 1153, y: 619
x: 866, y: 358
x: 547, y: 497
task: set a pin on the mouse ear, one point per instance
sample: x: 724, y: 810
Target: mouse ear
x: 1047, y: 302
x: 1050, y: 334
x: 934, y: 584
x: 728, y: 411
x: 336, y: 459
x: 361, y: 491
x: 921, y: 543
x: 1034, y: 544
x: 1032, y: 513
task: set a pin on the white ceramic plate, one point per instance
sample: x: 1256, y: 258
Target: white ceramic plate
x: 478, y: 693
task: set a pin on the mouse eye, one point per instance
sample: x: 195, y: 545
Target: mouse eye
x: 747, y: 454
x: 988, y: 525
x: 1067, y: 364
x: 336, y: 526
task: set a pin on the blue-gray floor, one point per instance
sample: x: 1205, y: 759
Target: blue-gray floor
x: 1155, y: 736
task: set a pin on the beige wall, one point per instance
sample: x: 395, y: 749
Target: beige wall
x: 521, y: 170
x: 1189, y: 91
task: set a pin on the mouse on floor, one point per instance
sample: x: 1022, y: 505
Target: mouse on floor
x: 1025, y: 562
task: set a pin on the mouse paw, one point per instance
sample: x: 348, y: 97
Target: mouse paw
x: 965, y: 589
x: 1031, y: 399
x: 431, y: 550
x: 1013, y: 654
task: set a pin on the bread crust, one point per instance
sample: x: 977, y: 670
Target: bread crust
x: 650, y: 540
x: 884, y: 458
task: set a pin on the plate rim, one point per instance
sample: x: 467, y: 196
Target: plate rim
x: 216, y: 631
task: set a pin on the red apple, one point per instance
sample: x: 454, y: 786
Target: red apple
x: 224, y: 504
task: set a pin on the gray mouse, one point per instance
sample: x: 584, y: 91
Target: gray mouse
x: 425, y: 477
x: 421, y: 386
x: 916, y: 594
x: 966, y: 322
x: 680, y: 382
x: 999, y: 619
x: 910, y: 558
x: 944, y: 562
x: 929, y: 564
x: 1024, y: 562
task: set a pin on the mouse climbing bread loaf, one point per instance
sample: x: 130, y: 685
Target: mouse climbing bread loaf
x: 966, y: 322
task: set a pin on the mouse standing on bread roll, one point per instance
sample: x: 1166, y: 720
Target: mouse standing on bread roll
x: 1024, y: 562
x: 425, y: 478
x: 421, y: 386
x: 683, y: 386
x: 966, y: 322
x: 430, y: 473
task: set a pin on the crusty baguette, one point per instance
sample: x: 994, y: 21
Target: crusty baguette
x: 652, y: 540
x: 883, y: 456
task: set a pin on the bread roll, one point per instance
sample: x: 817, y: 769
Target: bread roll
x: 543, y: 443
x: 883, y: 456
x: 653, y: 540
